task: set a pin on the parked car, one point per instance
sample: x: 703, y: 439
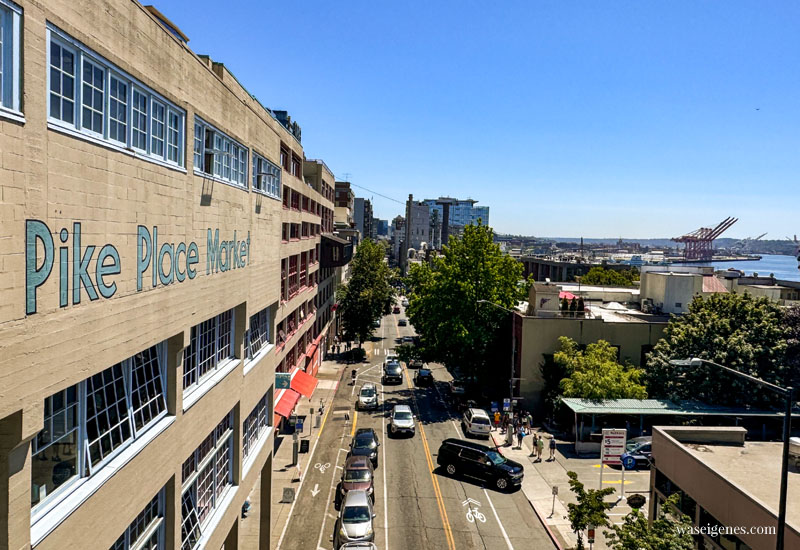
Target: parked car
x: 404, y: 302
x: 408, y: 339
x: 637, y: 453
x: 392, y: 372
x: 456, y: 387
x: 365, y: 443
x: 354, y: 523
x: 358, y: 546
x: 367, y: 397
x: 402, y: 420
x: 457, y: 456
x: 357, y: 476
x: 416, y: 364
x: 476, y: 422
x: 396, y: 309
x: 424, y: 377
x: 376, y: 323
x: 402, y: 322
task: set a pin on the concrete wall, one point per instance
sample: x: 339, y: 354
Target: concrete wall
x: 60, y: 179
x: 672, y: 292
x: 540, y: 337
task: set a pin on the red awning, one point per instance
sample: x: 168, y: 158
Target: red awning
x: 304, y: 383
x: 286, y: 403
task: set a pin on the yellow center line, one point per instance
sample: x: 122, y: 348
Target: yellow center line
x: 324, y: 418
x: 355, y: 419
x: 448, y: 532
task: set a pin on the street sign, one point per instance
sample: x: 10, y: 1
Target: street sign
x: 298, y: 425
x: 507, y: 404
x: 613, y: 445
x: 591, y: 534
x: 283, y: 380
x: 288, y: 495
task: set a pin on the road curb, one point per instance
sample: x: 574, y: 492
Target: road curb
x: 542, y: 520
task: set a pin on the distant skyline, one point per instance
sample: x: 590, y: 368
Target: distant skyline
x: 641, y: 119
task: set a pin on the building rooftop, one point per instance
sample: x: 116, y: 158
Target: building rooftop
x: 658, y: 407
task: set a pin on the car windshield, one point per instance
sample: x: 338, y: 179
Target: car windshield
x: 367, y: 392
x: 480, y: 420
x: 632, y: 444
x: 402, y: 415
x: 424, y: 373
x: 496, y: 457
x: 364, y: 442
x: 393, y: 367
x: 355, y: 514
x: 356, y: 476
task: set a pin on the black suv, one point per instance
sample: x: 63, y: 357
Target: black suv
x: 457, y: 456
x: 424, y: 377
x: 392, y: 372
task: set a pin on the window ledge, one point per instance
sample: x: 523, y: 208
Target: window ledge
x: 195, y: 394
x: 205, y: 175
x: 248, y: 462
x: 71, y: 131
x: 11, y: 114
x: 250, y: 363
x: 46, y: 523
x: 270, y: 195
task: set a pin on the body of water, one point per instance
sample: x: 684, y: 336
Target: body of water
x: 783, y: 267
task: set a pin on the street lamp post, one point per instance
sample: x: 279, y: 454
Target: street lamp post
x: 511, y: 377
x: 788, y: 394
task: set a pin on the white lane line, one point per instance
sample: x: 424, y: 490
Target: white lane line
x: 499, y: 523
x: 330, y: 491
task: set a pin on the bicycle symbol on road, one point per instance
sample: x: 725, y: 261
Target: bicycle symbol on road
x: 322, y: 467
x: 473, y: 514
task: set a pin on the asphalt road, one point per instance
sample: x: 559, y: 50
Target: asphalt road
x: 417, y: 506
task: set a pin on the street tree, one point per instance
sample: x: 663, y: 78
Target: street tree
x: 609, y: 277
x: 736, y: 330
x: 589, y: 510
x: 792, y: 324
x: 671, y: 530
x: 595, y: 373
x: 454, y: 327
x: 366, y: 295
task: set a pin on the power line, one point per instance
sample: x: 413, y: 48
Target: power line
x: 376, y: 193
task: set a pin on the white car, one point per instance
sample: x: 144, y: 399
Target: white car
x: 476, y: 422
x: 367, y: 397
x: 402, y: 420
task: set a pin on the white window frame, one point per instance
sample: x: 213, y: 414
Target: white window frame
x: 266, y: 177
x: 256, y: 426
x: 198, y: 342
x: 228, y: 158
x: 154, y: 528
x: 85, y: 468
x: 221, y: 451
x: 264, y: 338
x: 11, y: 27
x: 75, y: 128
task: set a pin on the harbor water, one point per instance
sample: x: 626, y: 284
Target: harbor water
x: 783, y: 267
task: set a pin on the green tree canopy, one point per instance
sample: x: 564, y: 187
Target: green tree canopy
x: 590, y: 508
x: 454, y: 327
x: 595, y: 373
x: 609, y: 277
x: 735, y: 330
x: 670, y: 530
x: 368, y: 292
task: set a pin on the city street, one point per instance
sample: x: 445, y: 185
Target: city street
x: 417, y: 506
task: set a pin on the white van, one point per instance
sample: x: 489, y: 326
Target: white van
x: 476, y: 422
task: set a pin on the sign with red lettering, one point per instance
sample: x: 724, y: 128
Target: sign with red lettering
x: 613, y: 445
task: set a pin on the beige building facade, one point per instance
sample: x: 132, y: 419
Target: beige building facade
x: 160, y: 254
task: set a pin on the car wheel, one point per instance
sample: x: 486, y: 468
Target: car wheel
x: 502, y: 483
x: 451, y: 469
x: 394, y: 430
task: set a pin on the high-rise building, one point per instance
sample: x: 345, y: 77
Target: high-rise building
x: 160, y: 263
x: 362, y: 215
x: 449, y: 216
x: 382, y: 227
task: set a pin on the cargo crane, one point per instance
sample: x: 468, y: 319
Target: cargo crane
x: 699, y: 243
x: 745, y: 244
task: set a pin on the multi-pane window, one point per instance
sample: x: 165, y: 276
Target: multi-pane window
x: 259, y: 332
x: 118, y: 110
x: 266, y: 176
x: 146, y: 531
x: 9, y: 55
x: 88, y: 423
x: 209, y: 346
x: 206, y: 475
x: 255, y: 425
x: 218, y: 155
x: 114, y: 107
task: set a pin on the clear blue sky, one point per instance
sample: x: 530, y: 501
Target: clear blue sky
x: 636, y: 119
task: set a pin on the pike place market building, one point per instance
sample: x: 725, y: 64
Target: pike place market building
x: 160, y: 254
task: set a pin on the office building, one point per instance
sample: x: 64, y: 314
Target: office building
x: 448, y: 216
x: 362, y: 215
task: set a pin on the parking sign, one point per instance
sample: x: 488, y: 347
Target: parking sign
x: 613, y: 445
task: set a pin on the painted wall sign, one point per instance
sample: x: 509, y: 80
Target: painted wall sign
x: 80, y: 272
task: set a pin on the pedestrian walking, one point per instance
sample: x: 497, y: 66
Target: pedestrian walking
x: 496, y: 420
x: 504, y: 424
x: 533, y: 445
x: 552, y: 449
x: 520, y: 437
x: 539, y: 449
x: 530, y: 420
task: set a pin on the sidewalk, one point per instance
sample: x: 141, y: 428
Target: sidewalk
x: 284, y: 475
x: 537, y: 485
